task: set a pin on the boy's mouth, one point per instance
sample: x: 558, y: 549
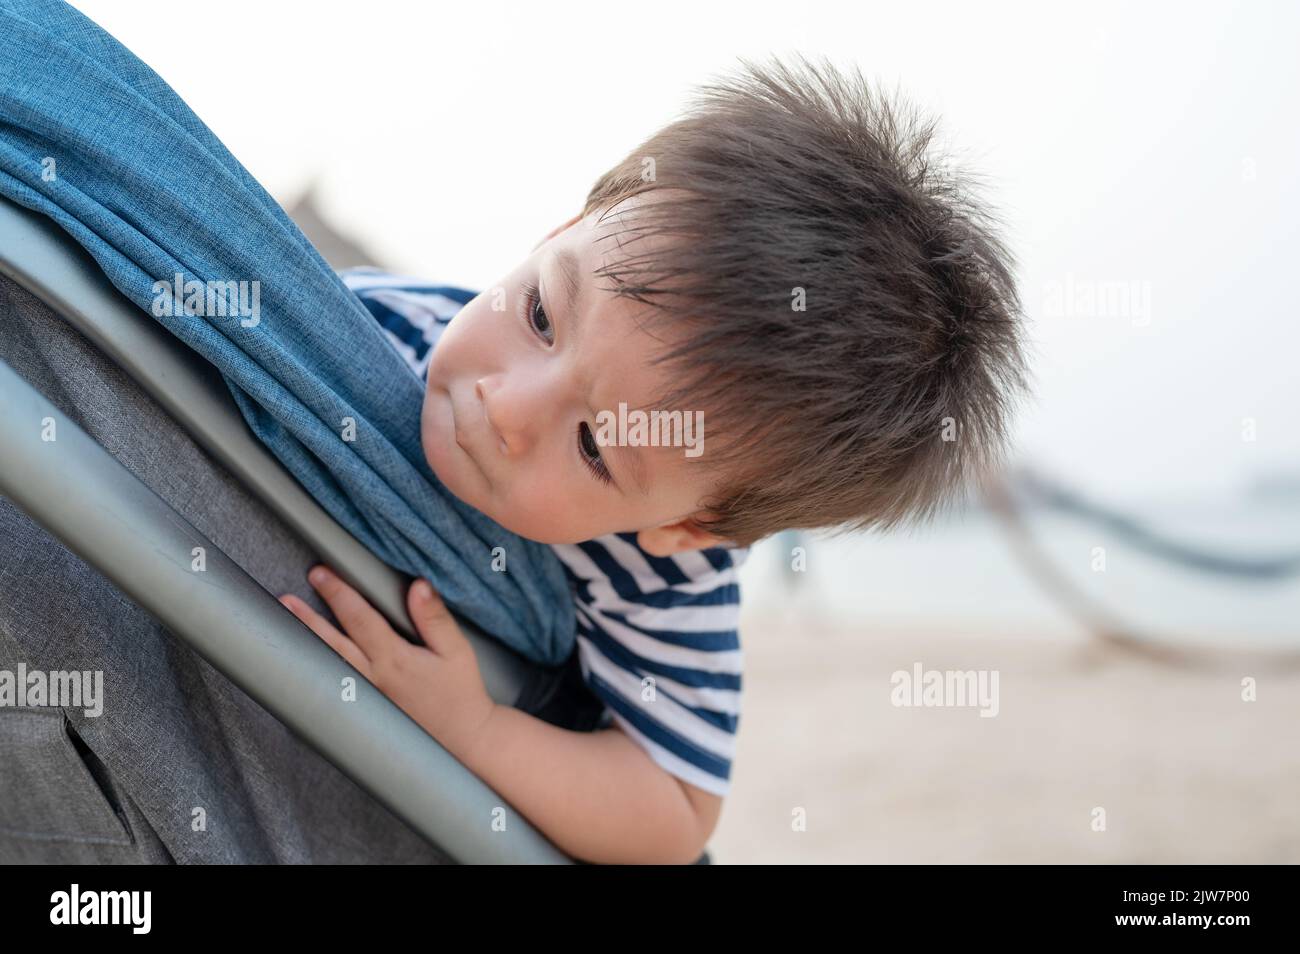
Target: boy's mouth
x: 458, y: 430
x: 459, y: 421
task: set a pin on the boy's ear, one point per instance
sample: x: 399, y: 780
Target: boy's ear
x: 556, y: 231
x: 677, y: 537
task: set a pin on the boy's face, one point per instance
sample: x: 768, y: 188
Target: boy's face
x: 515, y: 385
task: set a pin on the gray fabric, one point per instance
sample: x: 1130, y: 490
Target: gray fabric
x: 57, y: 802
x: 175, y: 735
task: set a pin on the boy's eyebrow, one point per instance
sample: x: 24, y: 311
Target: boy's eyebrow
x: 571, y: 271
x: 635, y: 464
x: 567, y: 261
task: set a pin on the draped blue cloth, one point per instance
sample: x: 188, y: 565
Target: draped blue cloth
x: 94, y: 139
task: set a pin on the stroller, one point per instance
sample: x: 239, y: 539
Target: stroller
x: 224, y: 742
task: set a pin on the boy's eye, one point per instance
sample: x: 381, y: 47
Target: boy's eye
x: 537, y: 316
x: 590, y: 452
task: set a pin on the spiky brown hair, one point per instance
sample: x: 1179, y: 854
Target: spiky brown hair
x: 892, y: 388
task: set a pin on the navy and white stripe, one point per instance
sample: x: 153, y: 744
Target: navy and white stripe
x: 658, y: 637
x: 659, y: 645
x: 411, y: 312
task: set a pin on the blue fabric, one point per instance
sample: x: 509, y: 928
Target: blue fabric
x: 150, y: 192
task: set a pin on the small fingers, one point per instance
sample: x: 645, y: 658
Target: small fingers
x: 364, y: 624
x: 433, y: 621
x: 326, y: 630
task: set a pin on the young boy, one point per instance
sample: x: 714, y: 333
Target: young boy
x: 784, y: 264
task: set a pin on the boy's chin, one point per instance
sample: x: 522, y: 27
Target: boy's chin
x: 462, y: 480
x: 450, y: 473
x: 458, y: 473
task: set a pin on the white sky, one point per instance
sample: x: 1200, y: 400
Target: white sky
x: 1156, y: 145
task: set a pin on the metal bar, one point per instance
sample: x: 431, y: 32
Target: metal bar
x: 35, y: 253
x: 102, y: 512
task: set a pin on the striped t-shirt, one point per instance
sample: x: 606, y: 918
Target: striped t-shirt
x: 657, y: 637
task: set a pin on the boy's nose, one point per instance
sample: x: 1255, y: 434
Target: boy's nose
x: 506, y: 414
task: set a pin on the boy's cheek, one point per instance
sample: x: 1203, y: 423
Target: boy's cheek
x: 545, y: 514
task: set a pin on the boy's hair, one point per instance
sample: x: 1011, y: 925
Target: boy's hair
x: 853, y: 329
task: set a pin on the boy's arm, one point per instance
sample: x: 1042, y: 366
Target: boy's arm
x: 596, y: 795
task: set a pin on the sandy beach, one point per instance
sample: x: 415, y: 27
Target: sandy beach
x: 1184, y: 769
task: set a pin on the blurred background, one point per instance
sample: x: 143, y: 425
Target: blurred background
x: 1135, y: 580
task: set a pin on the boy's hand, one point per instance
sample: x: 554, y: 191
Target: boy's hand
x: 438, y: 685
